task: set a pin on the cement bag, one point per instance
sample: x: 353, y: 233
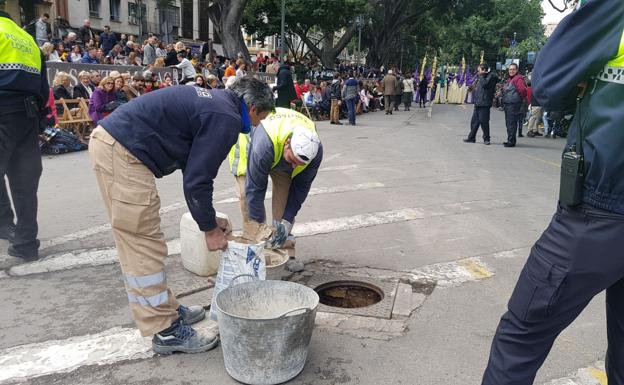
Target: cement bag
x: 239, y: 258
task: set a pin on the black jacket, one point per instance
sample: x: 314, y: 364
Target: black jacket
x: 285, y: 87
x: 484, y: 89
x: 81, y: 92
x: 172, y: 58
x: 85, y: 34
x: 596, y: 31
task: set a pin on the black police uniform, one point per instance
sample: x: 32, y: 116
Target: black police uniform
x: 580, y: 253
x: 24, y: 91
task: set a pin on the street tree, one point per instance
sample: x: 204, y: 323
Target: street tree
x: 316, y: 22
x: 226, y: 16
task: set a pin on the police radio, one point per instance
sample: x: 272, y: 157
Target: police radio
x: 572, y: 168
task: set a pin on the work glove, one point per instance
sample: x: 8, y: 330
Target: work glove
x: 280, y: 235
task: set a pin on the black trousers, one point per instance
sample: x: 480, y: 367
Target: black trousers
x: 422, y: 101
x: 20, y: 161
x: 513, y: 120
x: 6, y: 212
x: 577, y: 257
x: 480, y: 117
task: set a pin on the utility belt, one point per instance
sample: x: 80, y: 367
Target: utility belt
x: 18, y: 102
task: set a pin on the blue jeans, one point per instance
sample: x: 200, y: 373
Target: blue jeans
x: 351, y: 108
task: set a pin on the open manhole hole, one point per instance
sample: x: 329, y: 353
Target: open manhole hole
x: 349, y: 294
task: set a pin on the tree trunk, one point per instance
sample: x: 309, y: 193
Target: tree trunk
x: 226, y: 16
x: 329, y: 52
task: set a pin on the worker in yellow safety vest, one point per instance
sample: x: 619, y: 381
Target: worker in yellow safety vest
x: 286, y: 147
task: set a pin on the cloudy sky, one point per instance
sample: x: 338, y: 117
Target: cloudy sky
x: 552, y: 15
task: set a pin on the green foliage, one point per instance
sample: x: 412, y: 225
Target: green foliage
x: 490, y: 28
x: 263, y: 17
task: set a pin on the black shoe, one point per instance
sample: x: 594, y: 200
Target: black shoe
x: 7, y: 232
x: 469, y: 141
x: 538, y: 134
x: 507, y: 144
x: 338, y: 123
x: 30, y: 254
x: 520, y: 135
x: 486, y: 142
x: 530, y: 134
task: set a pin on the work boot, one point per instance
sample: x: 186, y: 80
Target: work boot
x: 28, y: 253
x: 192, y: 314
x: 180, y: 337
x: 7, y: 232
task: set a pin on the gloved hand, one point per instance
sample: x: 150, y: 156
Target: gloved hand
x: 282, y: 229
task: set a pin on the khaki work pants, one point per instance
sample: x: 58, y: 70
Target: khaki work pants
x: 536, y: 116
x: 281, y: 187
x: 129, y: 192
x: 334, y: 112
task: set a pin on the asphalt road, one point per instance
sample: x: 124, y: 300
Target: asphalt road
x: 69, y: 323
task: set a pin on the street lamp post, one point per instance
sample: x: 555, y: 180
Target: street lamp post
x: 282, y: 43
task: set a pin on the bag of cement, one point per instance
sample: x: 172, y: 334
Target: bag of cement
x: 239, y: 258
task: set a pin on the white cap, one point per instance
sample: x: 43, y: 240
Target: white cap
x: 304, y: 144
x: 390, y: 72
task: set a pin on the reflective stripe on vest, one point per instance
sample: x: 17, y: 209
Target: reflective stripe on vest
x: 279, y: 127
x: 238, y: 155
x: 614, y: 70
x: 18, y: 50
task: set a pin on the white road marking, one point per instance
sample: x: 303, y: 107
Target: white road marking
x: 98, y: 257
x: 591, y: 375
x: 106, y: 227
x: 321, y: 190
x: 62, y: 356
x: 387, y: 217
x: 449, y: 274
x: 331, y: 157
x: 74, y: 260
x: 339, y: 168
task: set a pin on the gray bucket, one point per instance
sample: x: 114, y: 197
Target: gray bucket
x: 265, y: 329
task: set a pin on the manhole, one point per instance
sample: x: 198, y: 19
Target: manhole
x: 349, y: 294
x: 382, y: 290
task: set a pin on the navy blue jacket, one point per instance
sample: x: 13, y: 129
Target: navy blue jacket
x: 181, y: 127
x: 259, y: 166
x: 579, y: 51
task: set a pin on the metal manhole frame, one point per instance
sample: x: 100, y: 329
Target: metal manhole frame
x: 381, y: 309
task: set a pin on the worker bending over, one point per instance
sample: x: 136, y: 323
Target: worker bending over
x: 286, y: 147
x: 181, y: 127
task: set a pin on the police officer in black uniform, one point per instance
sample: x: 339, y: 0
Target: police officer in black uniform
x: 24, y: 92
x: 581, y: 252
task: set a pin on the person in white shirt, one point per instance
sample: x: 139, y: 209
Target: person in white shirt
x: 240, y: 72
x: 188, y: 71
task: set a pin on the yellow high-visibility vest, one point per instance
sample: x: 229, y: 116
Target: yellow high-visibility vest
x: 279, y: 127
x: 18, y: 50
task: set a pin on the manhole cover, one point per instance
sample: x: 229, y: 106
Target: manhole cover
x: 385, y: 291
x: 349, y: 294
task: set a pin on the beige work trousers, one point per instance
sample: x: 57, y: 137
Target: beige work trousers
x: 132, y: 202
x: 536, y: 116
x: 334, y: 112
x: 281, y: 187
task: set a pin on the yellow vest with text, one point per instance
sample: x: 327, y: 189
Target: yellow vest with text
x: 18, y: 50
x: 279, y: 127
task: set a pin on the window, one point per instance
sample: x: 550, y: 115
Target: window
x: 94, y: 8
x: 114, y: 9
x: 134, y: 16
